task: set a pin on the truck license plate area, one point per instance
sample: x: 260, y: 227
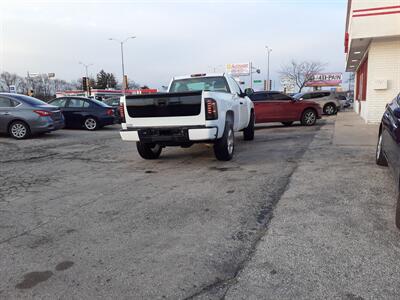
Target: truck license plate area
x: 161, y: 135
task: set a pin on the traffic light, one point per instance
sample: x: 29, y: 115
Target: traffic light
x: 125, y: 83
x: 85, y: 84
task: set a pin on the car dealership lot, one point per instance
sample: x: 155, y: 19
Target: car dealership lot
x: 82, y: 216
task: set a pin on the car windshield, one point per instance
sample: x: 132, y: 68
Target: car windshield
x: 212, y: 84
x: 30, y: 100
x: 112, y: 101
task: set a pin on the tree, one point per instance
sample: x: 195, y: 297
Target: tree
x: 105, y: 80
x: 300, y: 73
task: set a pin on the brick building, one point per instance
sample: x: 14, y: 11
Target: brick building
x: 372, y: 46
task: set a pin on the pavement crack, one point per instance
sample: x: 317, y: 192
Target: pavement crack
x: 264, y: 218
x: 28, y: 158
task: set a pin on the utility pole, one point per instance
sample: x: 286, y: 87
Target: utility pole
x: 86, y: 66
x: 122, y: 42
x: 269, y: 50
x: 251, y: 75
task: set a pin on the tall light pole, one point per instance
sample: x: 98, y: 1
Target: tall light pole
x: 269, y: 50
x: 86, y: 68
x: 122, y: 57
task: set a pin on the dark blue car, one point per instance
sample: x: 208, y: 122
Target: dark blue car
x: 388, y: 148
x: 83, y: 112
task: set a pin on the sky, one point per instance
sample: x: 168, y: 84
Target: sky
x: 172, y: 37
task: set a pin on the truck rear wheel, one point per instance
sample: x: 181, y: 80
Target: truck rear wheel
x: 148, y: 150
x: 224, y: 147
x: 248, y: 132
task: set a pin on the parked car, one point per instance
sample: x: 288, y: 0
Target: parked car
x: 81, y: 112
x: 22, y: 116
x: 326, y: 99
x: 198, y: 108
x: 114, y: 103
x: 388, y: 146
x: 278, y: 107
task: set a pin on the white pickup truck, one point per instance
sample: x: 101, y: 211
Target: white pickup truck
x: 197, y: 108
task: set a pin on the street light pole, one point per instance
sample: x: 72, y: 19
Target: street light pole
x: 122, y: 57
x: 269, y: 50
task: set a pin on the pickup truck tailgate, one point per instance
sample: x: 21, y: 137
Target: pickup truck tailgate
x: 165, y: 109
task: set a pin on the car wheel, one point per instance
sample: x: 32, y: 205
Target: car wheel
x: 287, y: 123
x: 149, y: 150
x: 19, y: 130
x: 309, y: 117
x: 380, y: 157
x: 330, y: 109
x: 225, y: 146
x: 248, y: 132
x: 398, y: 209
x: 90, y: 124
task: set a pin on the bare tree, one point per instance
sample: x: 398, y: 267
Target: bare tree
x: 8, y: 79
x: 300, y: 73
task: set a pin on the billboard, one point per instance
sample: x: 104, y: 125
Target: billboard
x: 238, y: 69
x: 325, y: 79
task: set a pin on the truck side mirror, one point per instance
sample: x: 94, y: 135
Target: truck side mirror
x: 248, y: 91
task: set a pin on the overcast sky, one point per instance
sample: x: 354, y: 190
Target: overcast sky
x: 173, y: 37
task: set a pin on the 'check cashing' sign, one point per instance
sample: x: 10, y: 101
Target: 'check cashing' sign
x: 238, y: 69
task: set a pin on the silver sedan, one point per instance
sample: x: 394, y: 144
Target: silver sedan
x: 21, y: 116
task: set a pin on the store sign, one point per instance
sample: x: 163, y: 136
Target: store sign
x: 326, y: 79
x: 238, y: 69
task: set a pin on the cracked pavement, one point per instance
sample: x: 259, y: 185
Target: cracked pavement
x: 82, y: 216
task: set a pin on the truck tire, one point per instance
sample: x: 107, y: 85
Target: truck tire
x: 148, y: 150
x: 248, y: 132
x: 225, y: 146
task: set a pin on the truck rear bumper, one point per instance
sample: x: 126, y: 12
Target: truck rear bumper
x: 178, y: 135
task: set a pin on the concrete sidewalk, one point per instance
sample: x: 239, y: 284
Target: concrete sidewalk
x: 333, y: 234
x: 351, y: 130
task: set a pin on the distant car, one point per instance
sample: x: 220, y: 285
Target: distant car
x: 342, y: 101
x: 326, y: 99
x: 388, y: 146
x: 278, y: 107
x: 81, y: 112
x: 22, y: 116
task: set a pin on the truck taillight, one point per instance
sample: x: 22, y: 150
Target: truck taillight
x: 122, y: 112
x: 211, y: 109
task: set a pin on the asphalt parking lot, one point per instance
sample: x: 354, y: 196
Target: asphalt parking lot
x: 82, y: 216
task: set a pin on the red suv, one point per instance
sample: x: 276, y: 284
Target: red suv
x: 278, y: 107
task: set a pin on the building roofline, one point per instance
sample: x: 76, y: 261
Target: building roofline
x: 348, y: 14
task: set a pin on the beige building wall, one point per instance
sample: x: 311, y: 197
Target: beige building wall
x: 383, y: 77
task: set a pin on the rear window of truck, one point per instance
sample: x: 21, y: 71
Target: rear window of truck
x: 212, y: 84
